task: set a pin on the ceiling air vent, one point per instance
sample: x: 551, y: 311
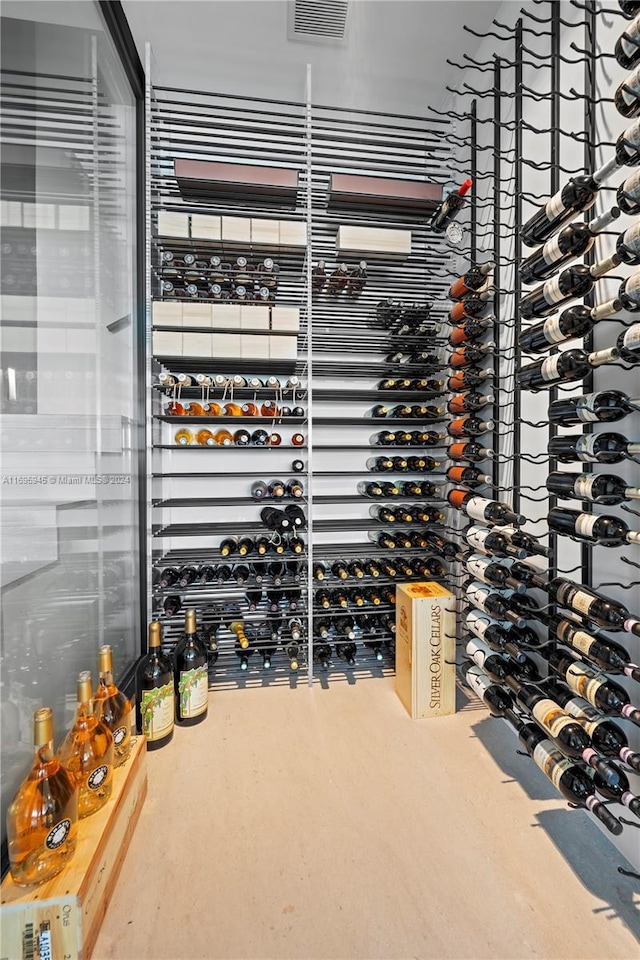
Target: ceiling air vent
x: 318, y: 21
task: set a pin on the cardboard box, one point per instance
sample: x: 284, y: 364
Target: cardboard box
x: 205, y: 227
x: 167, y: 343
x: 425, y: 641
x: 226, y: 315
x: 226, y: 345
x: 285, y: 318
x: 293, y: 233
x: 374, y: 240
x: 265, y: 232
x: 165, y: 313
x: 254, y: 317
x: 62, y: 917
x: 236, y: 229
x: 172, y: 224
x: 254, y: 346
x: 196, y: 344
x: 197, y: 315
x: 283, y: 348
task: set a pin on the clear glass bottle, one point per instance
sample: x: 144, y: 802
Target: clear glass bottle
x: 88, y: 752
x: 112, y: 707
x: 42, y: 817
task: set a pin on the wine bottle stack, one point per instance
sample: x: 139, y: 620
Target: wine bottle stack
x: 205, y: 275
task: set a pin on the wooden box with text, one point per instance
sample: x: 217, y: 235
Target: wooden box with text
x: 425, y: 649
x: 60, y: 919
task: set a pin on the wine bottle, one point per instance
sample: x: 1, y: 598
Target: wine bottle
x: 339, y: 569
x: 338, y: 280
x: 171, y: 605
x: 292, y: 651
x: 155, y: 692
x: 469, y: 330
x: 575, y: 321
x: 322, y: 654
x: 599, y: 487
x: 627, y: 48
x: 628, y: 195
x: 601, y: 610
x: 498, y: 700
x: 605, y: 406
x: 112, y: 707
x: 473, y: 308
x: 259, y: 438
x: 594, y: 448
x: 318, y: 277
x: 478, y: 508
x: 87, y: 751
x: 618, y: 791
x: 574, y: 240
x: 469, y: 451
x: 485, y: 570
x: 357, y: 279
x: 449, y: 207
x: 497, y: 666
x: 467, y: 379
x: 470, y: 476
x: 243, y: 654
x: 607, y: 737
x: 471, y: 281
x: 607, y: 654
x: 498, y: 634
x: 190, y: 674
x: 627, y: 347
x: 296, y: 516
x: 569, y: 780
x: 496, y: 602
x: 491, y: 541
x: 601, y: 692
x: 574, y: 281
x: 472, y: 353
x: 469, y: 427
x: 275, y: 519
x: 576, y: 196
x: 469, y: 402
x: 604, y: 529
x: 184, y: 437
x: 560, y: 368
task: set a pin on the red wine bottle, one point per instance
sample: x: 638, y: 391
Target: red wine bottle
x: 471, y: 281
x: 605, y: 406
x: 576, y: 196
x: 489, y: 540
x: 496, y: 602
x: 618, y: 791
x: 604, y: 529
x: 469, y: 427
x: 601, y: 487
x: 594, y: 448
x: 573, y: 241
x: 500, y: 635
x: 488, y: 571
x: 469, y: 451
x: 575, y: 321
x: 469, y: 402
x: 497, y: 666
x: 478, y: 508
x: 627, y: 347
x: 627, y: 95
x: 470, y: 476
x: 601, y: 692
x: 467, y: 379
x: 601, y: 610
x: 472, y: 353
x: 627, y: 48
x: 560, y: 368
x: 574, y: 281
x: 448, y: 209
x: 607, y: 654
x: 628, y: 195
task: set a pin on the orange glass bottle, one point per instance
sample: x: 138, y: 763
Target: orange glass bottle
x: 232, y: 410
x: 205, y: 438
x: 223, y: 438
x: 184, y: 437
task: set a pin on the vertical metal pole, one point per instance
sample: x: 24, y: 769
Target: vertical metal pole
x: 554, y: 187
x: 309, y: 171
x: 517, y: 285
x: 496, y: 256
x: 147, y: 331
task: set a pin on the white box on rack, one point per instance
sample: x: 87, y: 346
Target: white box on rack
x: 373, y: 240
x: 283, y: 348
x: 254, y: 346
x: 226, y: 315
x: 225, y: 345
x: 236, y: 229
x: 293, y: 233
x: 265, y: 232
x: 167, y: 343
x: 166, y: 313
x: 196, y: 344
x: 173, y: 224
x: 197, y: 315
x: 285, y: 318
x: 254, y: 317
x: 206, y: 227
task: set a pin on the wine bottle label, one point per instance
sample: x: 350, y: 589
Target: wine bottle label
x: 551, y: 330
x: 581, y: 641
x: 549, y: 367
x: 156, y: 711
x: 194, y: 691
x: 583, y: 487
x: 575, y: 708
x: 632, y: 287
x: 478, y: 651
x: 586, y: 406
x: 551, y: 291
x: 631, y: 238
x: 551, y: 716
x: 550, y: 761
x: 477, y: 537
x: 551, y: 252
x: 119, y: 735
x: 478, y: 681
x: 585, y: 447
x: 57, y: 835
x: 477, y: 566
x: 631, y: 339
x: 477, y: 508
x: 478, y: 625
x: 630, y: 88
x: 631, y: 136
x: 581, y: 601
x: 97, y: 777
x: 554, y: 207
x: 629, y: 39
x: 585, y: 524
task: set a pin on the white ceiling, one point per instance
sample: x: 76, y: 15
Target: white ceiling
x: 394, y: 59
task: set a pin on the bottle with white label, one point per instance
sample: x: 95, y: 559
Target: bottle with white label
x: 490, y: 541
x: 603, y: 611
x: 496, y: 602
x: 627, y: 48
x: 605, y: 529
x: 573, y: 783
x: 592, y: 448
x: 496, y: 665
x: 488, y: 571
x: 191, y: 680
x: 607, y: 654
x: 574, y: 281
x: 627, y: 95
x: 575, y: 321
x: 87, y: 751
x: 497, y: 634
x: 526, y: 541
x: 498, y: 700
x: 627, y: 347
x: 598, y: 487
x: 478, y: 508
x: 113, y: 707
x: 628, y: 195
x: 155, y: 692
x: 576, y: 196
x: 601, y: 692
x: 573, y: 241
x: 560, y: 368
x: 607, y: 737
x: 605, y: 406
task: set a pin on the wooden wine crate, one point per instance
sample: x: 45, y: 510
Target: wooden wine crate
x: 425, y: 641
x: 374, y: 241
x: 60, y: 920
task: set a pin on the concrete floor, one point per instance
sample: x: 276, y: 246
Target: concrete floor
x: 326, y: 824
